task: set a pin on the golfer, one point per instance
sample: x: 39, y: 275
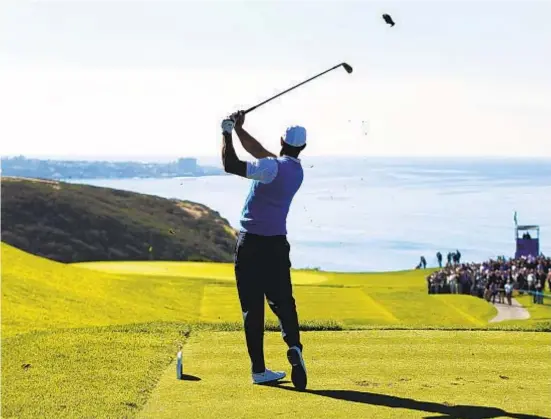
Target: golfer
x: 262, y: 264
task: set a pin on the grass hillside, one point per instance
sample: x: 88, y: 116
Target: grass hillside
x: 99, y: 340
x: 75, y: 223
x: 39, y: 294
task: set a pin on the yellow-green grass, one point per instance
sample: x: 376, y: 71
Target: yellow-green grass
x: 56, y: 315
x: 93, y: 373
x: 38, y: 294
x: 365, y: 374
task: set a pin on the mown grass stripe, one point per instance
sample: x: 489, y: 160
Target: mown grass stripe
x: 467, y: 316
x: 387, y: 314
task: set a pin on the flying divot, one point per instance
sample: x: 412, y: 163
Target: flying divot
x: 388, y: 19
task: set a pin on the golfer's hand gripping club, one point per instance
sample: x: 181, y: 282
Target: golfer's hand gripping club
x: 227, y: 125
x: 239, y: 119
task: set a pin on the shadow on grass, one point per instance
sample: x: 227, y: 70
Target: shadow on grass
x: 187, y: 377
x: 443, y: 411
x: 274, y: 383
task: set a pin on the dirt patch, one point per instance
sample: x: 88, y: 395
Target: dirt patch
x: 55, y: 184
x: 365, y: 383
x: 230, y: 230
x: 196, y: 211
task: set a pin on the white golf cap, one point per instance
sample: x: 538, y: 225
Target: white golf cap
x: 295, y: 136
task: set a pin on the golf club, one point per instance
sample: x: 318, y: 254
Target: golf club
x: 347, y: 67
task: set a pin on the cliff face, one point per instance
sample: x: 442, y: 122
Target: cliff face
x: 77, y: 223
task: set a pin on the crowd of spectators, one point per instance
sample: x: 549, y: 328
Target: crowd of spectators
x: 494, y: 280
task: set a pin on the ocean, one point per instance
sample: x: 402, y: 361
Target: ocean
x: 381, y: 214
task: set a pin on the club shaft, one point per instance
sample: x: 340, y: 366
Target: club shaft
x: 291, y: 88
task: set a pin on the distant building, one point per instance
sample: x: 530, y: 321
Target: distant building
x: 85, y: 169
x: 187, y: 165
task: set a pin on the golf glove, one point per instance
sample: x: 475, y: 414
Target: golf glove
x: 227, y: 125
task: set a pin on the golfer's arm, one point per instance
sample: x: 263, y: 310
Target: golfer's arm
x: 230, y: 161
x: 251, y: 145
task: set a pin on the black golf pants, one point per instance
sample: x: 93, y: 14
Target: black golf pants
x: 262, y: 269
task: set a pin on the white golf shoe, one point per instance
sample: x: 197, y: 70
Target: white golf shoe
x: 267, y: 376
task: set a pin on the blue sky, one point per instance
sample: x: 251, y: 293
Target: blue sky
x: 155, y: 78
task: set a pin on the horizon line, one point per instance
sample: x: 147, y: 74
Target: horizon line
x: 141, y: 157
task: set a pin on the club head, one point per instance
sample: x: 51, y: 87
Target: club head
x: 347, y: 68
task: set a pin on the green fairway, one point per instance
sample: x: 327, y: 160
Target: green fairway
x: 219, y: 271
x: 366, y: 374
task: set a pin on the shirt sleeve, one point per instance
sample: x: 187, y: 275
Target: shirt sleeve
x: 262, y: 170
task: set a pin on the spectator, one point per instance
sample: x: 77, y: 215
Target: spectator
x: 450, y: 281
x: 458, y: 282
x: 467, y: 283
x: 487, y: 293
x: 530, y: 280
x: 538, y: 294
x: 540, y: 276
x: 454, y: 258
x: 439, y: 258
x: 474, y: 283
x: 509, y: 291
x: 423, y: 262
x: 458, y: 256
x: 449, y: 258
x: 493, y: 291
x: 501, y: 290
x: 521, y: 282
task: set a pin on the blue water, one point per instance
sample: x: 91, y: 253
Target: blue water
x: 375, y: 214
